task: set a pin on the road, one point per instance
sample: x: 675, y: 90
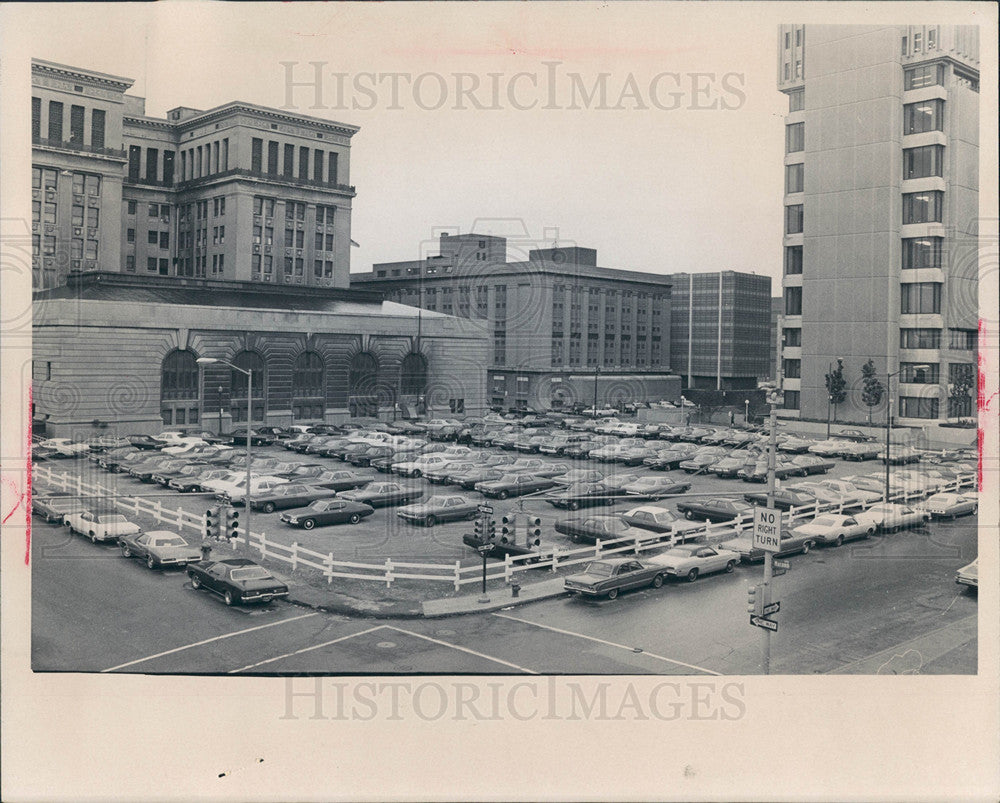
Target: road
x: 889, y: 605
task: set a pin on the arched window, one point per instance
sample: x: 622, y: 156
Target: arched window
x: 308, y: 388
x: 248, y: 361
x: 363, y: 384
x: 179, y: 402
x: 413, y: 375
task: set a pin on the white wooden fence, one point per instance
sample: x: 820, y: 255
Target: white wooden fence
x: 298, y: 556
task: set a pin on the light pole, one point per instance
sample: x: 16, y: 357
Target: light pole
x: 888, y: 419
x: 829, y: 400
x: 746, y: 413
x: 249, y: 374
x: 220, y: 409
x: 597, y: 375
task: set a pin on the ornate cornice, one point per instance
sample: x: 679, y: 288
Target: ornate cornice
x: 102, y: 80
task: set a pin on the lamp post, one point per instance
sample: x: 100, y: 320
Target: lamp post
x: 888, y: 419
x: 249, y: 374
x: 746, y: 413
x: 220, y: 409
x: 597, y: 375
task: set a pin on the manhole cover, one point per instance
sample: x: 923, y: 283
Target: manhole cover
x: 386, y: 645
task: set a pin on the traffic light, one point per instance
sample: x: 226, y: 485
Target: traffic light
x: 232, y: 523
x: 480, y: 530
x: 753, y: 601
x: 507, y: 530
x: 212, y: 522
x: 534, y: 531
x: 491, y: 530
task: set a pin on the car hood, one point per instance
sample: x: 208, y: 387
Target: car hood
x: 177, y: 552
x: 126, y: 528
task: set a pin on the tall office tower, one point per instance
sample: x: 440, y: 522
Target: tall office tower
x: 881, y: 215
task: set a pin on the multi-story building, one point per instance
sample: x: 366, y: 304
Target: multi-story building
x: 237, y: 192
x: 880, y: 223
x: 561, y: 326
x: 718, y: 332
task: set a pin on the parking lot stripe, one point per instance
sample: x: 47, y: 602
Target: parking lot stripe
x: 465, y: 649
x: 307, y: 649
x: 209, y: 641
x: 606, y: 643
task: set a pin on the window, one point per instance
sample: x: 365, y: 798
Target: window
x: 960, y: 375
x: 920, y: 298
x: 77, y: 216
x: 791, y: 399
x: 93, y: 186
x: 134, y: 158
x: 153, y: 210
x: 793, y: 259
x: 332, y: 172
x: 131, y: 207
x: 795, y: 137
x: 923, y: 162
x: 920, y: 338
x: 179, y: 376
x: 793, y: 219
x: 318, y: 165
x: 36, y: 118
x: 922, y: 252
x: 917, y: 41
x: 151, y: 264
x: 927, y: 115
x: 152, y: 164
x: 413, y: 375
x: 793, y: 301
x: 797, y: 100
x: 793, y: 337
x: 308, y: 386
x: 919, y: 373
x: 793, y: 369
x: 76, y: 125
x: 289, y: 161
x: 918, y: 407
x: 922, y: 207
x: 257, y: 155
x: 164, y: 240
x: 272, y: 158
x: 130, y: 235
x: 50, y: 213
x: 168, y: 167
x: 153, y: 237
x: 55, y: 121
x: 91, y: 252
x: 793, y: 177
x: 303, y: 164
x: 962, y: 339
x: 130, y: 263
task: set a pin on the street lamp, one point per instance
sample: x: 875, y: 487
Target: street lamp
x: 888, y: 418
x: 597, y: 374
x: 220, y: 389
x: 746, y: 413
x: 249, y: 373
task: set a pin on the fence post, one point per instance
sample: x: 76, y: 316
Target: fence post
x: 555, y: 559
x: 329, y: 568
x: 458, y: 574
x: 263, y: 542
x: 388, y: 572
x: 636, y: 539
x: 295, y: 555
x: 508, y: 568
x: 158, y: 510
x: 180, y: 518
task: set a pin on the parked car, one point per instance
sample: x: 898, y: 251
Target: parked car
x: 834, y: 528
x: 900, y: 455
x: 64, y: 447
x: 784, y: 498
x: 158, y: 548
x: 702, y: 462
x: 605, y: 528
x: 577, y: 475
x: 187, y: 471
x: 606, y: 578
x: 236, y: 580
x: 289, y: 495
x: 384, y: 494
x: 950, y: 505
x: 54, y: 505
x: 341, y: 480
x: 417, y: 466
x: 439, y: 508
x: 257, y: 438
x: 853, y: 435
x: 668, y: 459
x: 892, y: 517
x: 691, y: 561
x: 146, y: 442
x: 662, y: 521
x: 581, y: 494
x: 656, y: 487
x: 99, y: 526
x: 852, y: 495
x: 829, y: 447
x: 859, y: 451
x: 812, y: 464
x: 969, y: 575
x: 791, y: 543
x: 794, y: 445
x: 184, y: 447
x: 327, y: 511
x: 514, y: 485
x: 235, y: 492
x: 715, y: 510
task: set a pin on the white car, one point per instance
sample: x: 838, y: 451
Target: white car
x: 99, y: 526
x: 891, y: 517
x: 834, y: 528
x: 416, y: 468
x: 214, y: 482
x: 171, y: 438
x: 64, y: 446
x: 233, y: 492
x: 184, y: 446
x: 947, y: 505
x: 969, y: 575
x: 830, y: 447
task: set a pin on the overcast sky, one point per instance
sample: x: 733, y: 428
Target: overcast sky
x: 678, y: 169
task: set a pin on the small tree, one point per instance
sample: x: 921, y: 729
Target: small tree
x: 836, y: 386
x: 871, y: 395
x: 961, y: 383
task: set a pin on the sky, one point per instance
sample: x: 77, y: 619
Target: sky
x: 677, y: 167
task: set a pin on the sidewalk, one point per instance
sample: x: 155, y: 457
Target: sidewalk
x: 497, y: 599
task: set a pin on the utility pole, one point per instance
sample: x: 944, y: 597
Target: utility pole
x: 772, y: 448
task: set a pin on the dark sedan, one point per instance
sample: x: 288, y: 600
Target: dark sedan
x: 54, y: 505
x: 288, y: 496
x: 327, y: 511
x: 384, y: 494
x: 236, y: 580
x: 146, y: 442
x: 715, y: 510
x: 656, y: 487
x: 757, y: 472
x: 441, y: 507
x: 257, y: 438
x: 605, y: 528
x: 784, y: 498
x: 582, y: 494
x: 365, y: 457
x: 605, y: 578
x: 813, y: 464
x: 514, y: 485
x: 340, y: 480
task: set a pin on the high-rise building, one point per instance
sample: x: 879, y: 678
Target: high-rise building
x: 237, y: 192
x: 880, y: 219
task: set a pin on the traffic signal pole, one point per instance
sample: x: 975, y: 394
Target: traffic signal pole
x: 772, y: 449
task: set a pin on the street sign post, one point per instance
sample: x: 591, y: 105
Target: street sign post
x: 767, y: 624
x: 782, y: 564
x: 773, y: 607
x: 767, y: 529
x: 485, y: 509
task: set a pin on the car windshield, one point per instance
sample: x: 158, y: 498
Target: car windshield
x: 250, y: 573
x: 680, y: 552
x: 599, y: 569
x: 172, y: 541
x: 319, y: 504
x: 113, y: 518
